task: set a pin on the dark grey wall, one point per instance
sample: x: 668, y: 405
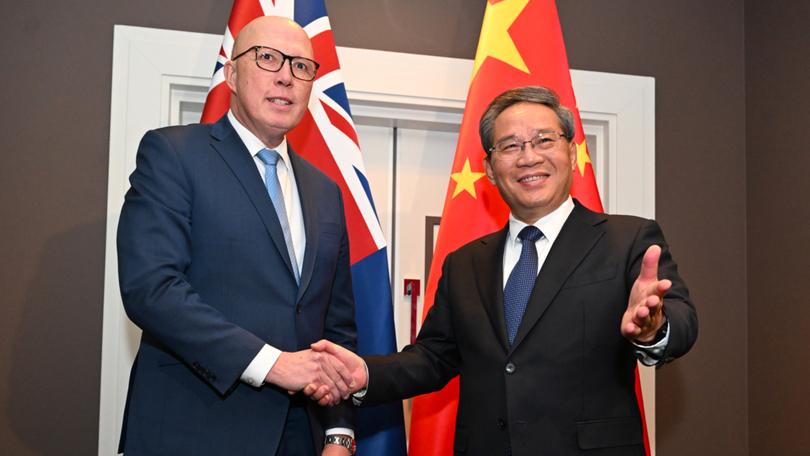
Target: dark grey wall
x: 778, y: 112
x: 53, y: 172
x: 695, y: 51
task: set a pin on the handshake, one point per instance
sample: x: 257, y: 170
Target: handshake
x: 327, y: 373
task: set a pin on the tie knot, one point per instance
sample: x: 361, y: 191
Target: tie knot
x: 530, y: 233
x: 269, y: 157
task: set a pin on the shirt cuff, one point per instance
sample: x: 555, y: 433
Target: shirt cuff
x: 258, y: 369
x: 651, y: 355
x: 341, y: 431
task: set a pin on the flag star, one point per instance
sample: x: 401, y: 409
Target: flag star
x: 465, y: 180
x: 495, y: 40
x: 582, y: 157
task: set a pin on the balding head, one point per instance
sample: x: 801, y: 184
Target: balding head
x: 268, y: 103
x: 257, y: 29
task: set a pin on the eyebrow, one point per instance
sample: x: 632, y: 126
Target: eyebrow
x: 504, y: 138
x: 534, y: 133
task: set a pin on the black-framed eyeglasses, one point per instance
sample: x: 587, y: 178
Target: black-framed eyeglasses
x: 512, y: 147
x: 270, y: 59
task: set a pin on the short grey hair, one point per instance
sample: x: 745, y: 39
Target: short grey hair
x: 529, y: 94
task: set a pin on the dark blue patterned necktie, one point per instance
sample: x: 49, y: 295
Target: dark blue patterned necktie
x: 521, y: 281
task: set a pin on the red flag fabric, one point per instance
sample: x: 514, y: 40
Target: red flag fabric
x: 521, y: 44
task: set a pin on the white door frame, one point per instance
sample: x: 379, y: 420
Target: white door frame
x: 151, y: 66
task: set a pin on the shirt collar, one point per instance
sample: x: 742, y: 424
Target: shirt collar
x: 550, y: 225
x: 253, y: 144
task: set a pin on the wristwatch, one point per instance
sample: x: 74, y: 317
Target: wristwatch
x: 342, y: 440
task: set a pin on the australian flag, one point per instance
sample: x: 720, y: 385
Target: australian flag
x: 327, y: 138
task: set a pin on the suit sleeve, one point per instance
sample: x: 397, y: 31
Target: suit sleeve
x: 340, y: 326
x: 429, y: 363
x: 154, y: 253
x: 678, y: 305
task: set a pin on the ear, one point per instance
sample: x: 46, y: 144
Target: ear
x: 488, y: 169
x: 230, y: 75
x: 572, y: 154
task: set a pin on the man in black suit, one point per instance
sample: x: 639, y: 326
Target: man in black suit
x: 233, y: 256
x: 544, y: 319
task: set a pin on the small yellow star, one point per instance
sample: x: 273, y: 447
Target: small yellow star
x: 495, y: 40
x: 465, y: 180
x: 582, y: 157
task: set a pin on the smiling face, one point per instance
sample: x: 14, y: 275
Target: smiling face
x: 534, y: 182
x: 268, y: 103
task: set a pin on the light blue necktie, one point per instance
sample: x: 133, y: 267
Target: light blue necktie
x: 270, y: 159
x: 521, y: 281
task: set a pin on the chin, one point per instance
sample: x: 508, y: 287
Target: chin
x: 276, y: 126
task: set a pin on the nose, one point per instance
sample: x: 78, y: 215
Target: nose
x: 529, y: 155
x: 284, y: 74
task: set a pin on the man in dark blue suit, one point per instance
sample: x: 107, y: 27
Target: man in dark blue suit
x: 233, y: 259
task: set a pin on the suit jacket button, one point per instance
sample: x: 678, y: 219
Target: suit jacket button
x: 510, y: 368
x: 501, y: 424
x: 298, y: 309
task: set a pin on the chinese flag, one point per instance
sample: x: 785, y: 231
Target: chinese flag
x: 521, y: 44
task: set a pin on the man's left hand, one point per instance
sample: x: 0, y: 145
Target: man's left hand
x: 645, y: 308
x: 334, y: 450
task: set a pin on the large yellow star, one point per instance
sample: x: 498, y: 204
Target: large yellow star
x: 495, y: 40
x: 465, y: 180
x: 582, y: 157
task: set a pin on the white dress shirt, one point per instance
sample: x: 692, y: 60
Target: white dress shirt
x: 550, y: 226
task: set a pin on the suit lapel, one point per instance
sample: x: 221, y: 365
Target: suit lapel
x: 577, y: 237
x: 309, y: 199
x: 488, y: 267
x: 230, y: 147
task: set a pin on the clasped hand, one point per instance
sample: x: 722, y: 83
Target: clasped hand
x: 327, y: 373
x: 295, y: 370
x: 351, y: 367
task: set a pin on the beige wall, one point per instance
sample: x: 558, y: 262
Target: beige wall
x: 719, y: 66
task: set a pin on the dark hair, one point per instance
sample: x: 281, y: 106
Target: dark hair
x: 528, y: 94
